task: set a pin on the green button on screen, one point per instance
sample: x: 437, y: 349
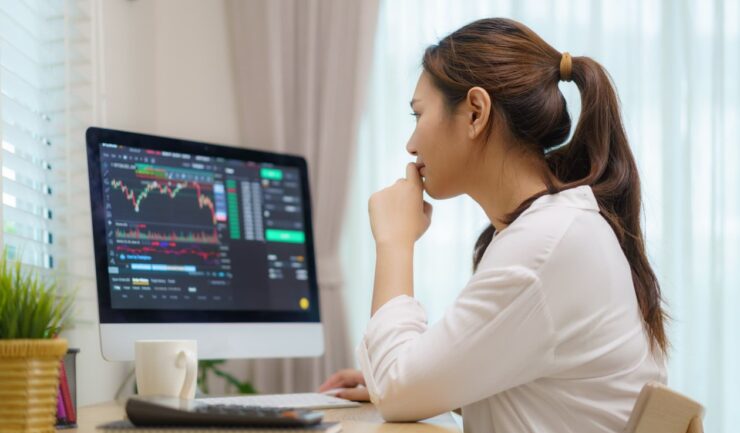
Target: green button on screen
x: 271, y: 173
x: 290, y: 236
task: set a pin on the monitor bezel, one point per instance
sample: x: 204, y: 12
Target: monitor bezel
x: 95, y: 136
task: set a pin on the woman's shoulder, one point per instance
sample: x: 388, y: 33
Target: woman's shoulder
x: 534, y: 236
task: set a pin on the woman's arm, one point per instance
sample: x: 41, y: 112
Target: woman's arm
x: 398, y: 217
x: 393, y: 272
x: 497, y: 335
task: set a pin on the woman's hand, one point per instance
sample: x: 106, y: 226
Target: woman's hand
x: 399, y: 213
x: 350, y: 379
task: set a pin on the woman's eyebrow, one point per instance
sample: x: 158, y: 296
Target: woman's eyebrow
x: 413, y: 101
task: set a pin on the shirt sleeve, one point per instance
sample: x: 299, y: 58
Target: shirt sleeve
x: 498, y: 334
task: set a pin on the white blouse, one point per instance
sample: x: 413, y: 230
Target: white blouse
x: 545, y: 337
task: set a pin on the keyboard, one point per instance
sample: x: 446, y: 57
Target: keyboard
x: 308, y: 400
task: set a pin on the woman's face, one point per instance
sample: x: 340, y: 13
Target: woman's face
x: 439, y: 142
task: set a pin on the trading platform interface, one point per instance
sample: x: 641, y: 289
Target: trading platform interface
x: 196, y: 232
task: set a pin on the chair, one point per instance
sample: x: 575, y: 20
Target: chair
x: 659, y: 409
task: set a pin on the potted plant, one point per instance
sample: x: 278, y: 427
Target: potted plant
x: 32, y: 313
x: 214, y: 366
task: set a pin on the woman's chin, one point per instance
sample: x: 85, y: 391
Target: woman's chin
x: 431, y: 192
x: 437, y: 193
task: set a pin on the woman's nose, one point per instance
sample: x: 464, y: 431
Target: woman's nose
x: 410, y: 148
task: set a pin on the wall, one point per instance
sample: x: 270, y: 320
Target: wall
x: 168, y: 69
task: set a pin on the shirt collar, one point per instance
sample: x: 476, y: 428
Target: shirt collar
x: 581, y: 197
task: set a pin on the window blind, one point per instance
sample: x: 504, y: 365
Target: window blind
x: 44, y: 59
x: 32, y: 79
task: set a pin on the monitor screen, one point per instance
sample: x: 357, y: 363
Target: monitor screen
x: 194, y: 232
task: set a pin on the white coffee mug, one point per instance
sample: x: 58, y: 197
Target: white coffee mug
x: 166, y: 367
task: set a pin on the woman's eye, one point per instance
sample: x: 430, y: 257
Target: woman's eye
x: 415, y: 114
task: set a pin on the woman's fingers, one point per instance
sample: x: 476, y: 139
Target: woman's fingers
x: 332, y: 382
x: 347, y: 378
x: 412, y: 174
x: 359, y: 393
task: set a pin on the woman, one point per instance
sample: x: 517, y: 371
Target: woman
x: 561, y: 324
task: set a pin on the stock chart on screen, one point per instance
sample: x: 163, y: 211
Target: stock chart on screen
x: 196, y: 232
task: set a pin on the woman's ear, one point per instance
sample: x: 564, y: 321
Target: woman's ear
x: 478, y: 111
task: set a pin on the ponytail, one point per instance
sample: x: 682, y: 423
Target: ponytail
x: 522, y: 72
x: 599, y: 155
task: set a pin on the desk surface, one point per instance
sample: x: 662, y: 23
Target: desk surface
x: 363, y: 419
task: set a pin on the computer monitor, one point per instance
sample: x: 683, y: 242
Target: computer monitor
x: 204, y: 242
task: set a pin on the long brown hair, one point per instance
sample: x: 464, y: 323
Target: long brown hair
x: 521, y: 71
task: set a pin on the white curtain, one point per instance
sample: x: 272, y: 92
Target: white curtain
x: 676, y: 66
x: 301, y: 71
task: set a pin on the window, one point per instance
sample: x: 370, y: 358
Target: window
x: 32, y: 103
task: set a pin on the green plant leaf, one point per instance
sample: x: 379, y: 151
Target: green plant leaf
x: 206, y: 366
x: 31, y: 306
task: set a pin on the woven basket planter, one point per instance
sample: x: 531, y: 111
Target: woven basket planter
x: 29, y: 379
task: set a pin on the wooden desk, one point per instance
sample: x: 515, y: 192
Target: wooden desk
x: 363, y: 419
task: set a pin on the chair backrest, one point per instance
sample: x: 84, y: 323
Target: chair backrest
x: 659, y: 409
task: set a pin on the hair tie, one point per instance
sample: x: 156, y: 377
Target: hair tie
x: 566, y: 66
